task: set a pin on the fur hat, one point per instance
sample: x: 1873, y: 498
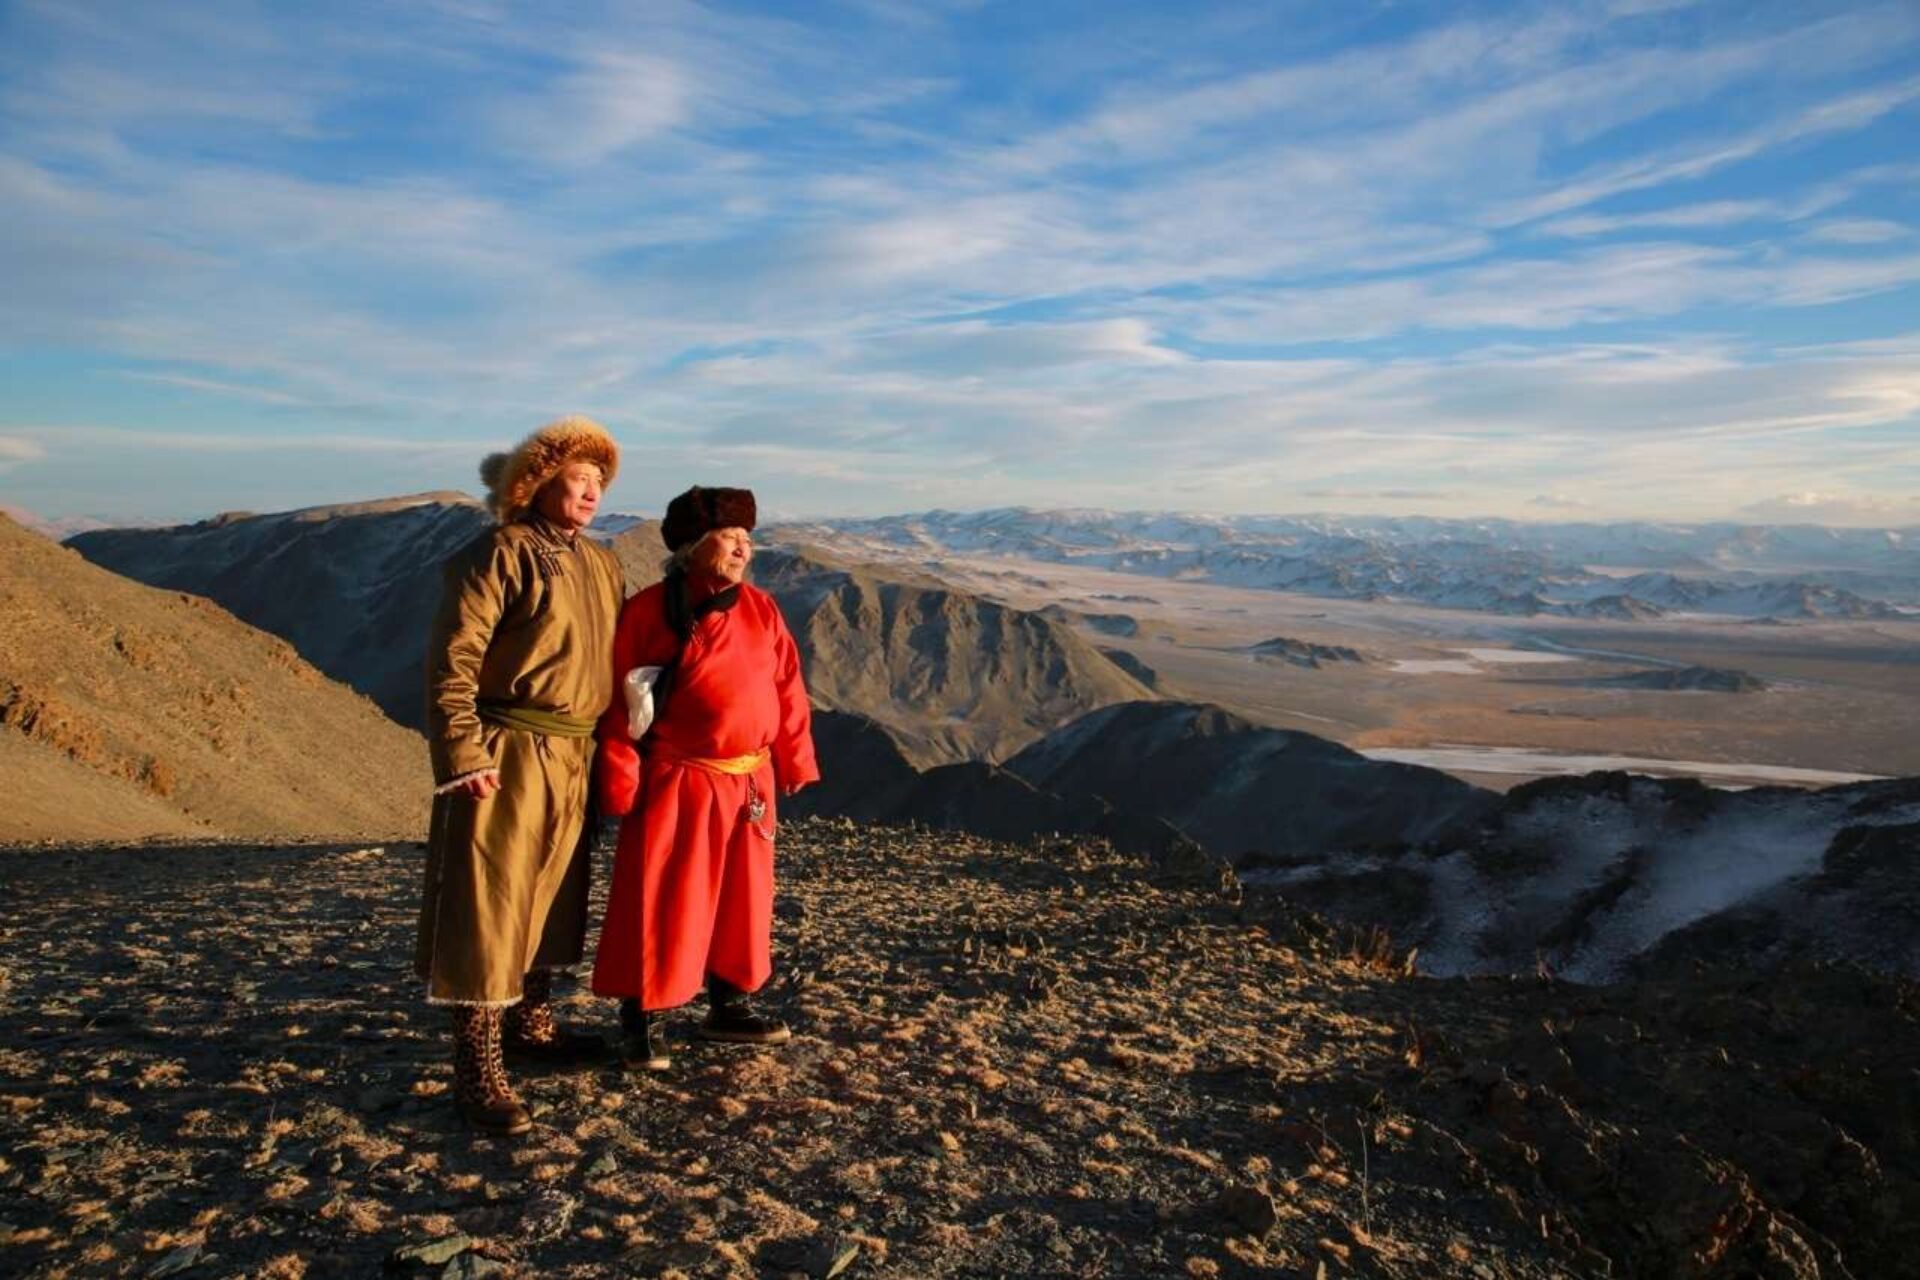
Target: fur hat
x: 698, y: 512
x: 513, y: 478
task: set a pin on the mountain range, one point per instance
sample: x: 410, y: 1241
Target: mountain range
x: 1594, y: 878
x: 1631, y: 570
x: 1031, y: 1059
x: 354, y: 587
x: 943, y: 709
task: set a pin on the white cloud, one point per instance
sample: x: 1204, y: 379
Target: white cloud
x: 977, y: 350
x: 727, y: 231
x: 1859, y: 231
x: 1712, y: 214
x: 1810, y: 507
x: 15, y: 450
x: 1621, y: 282
x: 1691, y: 162
x: 261, y: 395
x: 614, y: 102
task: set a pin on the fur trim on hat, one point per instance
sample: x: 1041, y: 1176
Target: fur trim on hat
x: 698, y: 512
x: 512, y: 479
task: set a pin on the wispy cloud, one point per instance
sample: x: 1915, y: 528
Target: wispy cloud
x: 1860, y: 231
x: 261, y: 395
x: 15, y: 450
x: 1809, y: 507
x: 1645, y: 254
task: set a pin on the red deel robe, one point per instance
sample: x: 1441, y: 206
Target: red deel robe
x: 692, y: 886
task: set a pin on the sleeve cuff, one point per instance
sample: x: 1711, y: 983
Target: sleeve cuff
x: 459, y: 780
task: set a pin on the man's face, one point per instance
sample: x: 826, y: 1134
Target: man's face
x: 571, y: 498
x: 724, y: 554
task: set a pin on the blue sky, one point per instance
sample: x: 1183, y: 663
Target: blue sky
x: 1640, y: 259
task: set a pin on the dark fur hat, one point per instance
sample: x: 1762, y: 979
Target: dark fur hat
x: 698, y: 512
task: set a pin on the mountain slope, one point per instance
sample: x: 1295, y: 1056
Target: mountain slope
x: 129, y: 710
x: 951, y: 675
x: 868, y: 776
x: 1238, y: 788
x: 352, y: 587
x: 637, y: 545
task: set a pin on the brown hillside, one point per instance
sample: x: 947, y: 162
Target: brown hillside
x: 352, y: 585
x: 128, y: 710
x: 952, y: 676
x: 642, y: 556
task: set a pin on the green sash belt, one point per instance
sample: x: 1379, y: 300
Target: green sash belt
x: 555, y: 724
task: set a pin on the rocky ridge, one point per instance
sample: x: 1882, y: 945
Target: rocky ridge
x: 952, y: 676
x: 1238, y: 789
x: 1303, y: 653
x: 1607, y: 874
x: 1686, y: 679
x: 1591, y: 877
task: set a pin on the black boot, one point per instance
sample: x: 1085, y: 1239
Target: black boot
x: 530, y: 1031
x: 732, y: 1019
x: 643, y: 1047
x: 481, y: 1089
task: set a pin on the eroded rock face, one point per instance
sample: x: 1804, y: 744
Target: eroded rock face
x: 1033, y: 1060
x: 1601, y: 876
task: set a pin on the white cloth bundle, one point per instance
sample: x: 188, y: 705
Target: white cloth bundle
x: 638, y: 688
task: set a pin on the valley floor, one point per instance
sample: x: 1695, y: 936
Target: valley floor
x: 1037, y: 1061
x: 1841, y: 696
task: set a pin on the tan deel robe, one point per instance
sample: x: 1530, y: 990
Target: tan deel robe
x: 526, y: 620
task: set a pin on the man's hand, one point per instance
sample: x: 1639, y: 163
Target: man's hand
x: 481, y: 785
x: 794, y: 790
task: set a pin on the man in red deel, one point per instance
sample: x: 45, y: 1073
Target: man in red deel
x: 692, y: 896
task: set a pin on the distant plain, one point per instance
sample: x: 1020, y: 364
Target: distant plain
x: 1841, y: 696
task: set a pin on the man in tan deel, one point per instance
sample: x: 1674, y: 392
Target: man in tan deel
x: 519, y: 667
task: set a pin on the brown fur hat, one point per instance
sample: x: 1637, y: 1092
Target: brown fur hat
x: 698, y: 512
x: 513, y: 478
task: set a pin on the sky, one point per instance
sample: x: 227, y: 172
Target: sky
x: 1638, y: 259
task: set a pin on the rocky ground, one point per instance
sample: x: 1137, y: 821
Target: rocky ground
x: 1040, y: 1061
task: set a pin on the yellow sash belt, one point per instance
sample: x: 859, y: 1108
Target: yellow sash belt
x: 726, y: 764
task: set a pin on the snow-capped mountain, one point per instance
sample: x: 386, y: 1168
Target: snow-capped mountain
x: 1625, y: 571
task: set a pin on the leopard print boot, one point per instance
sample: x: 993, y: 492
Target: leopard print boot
x: 532, y: 1032
x: 480, y: 1086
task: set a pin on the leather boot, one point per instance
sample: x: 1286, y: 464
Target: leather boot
x: 732, y: 1019
x: 531, y: 1032
x: 480, y: 1086
x: 643, y: 1047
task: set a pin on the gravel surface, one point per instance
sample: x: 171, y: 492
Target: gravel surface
x: 1050, y: 1060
